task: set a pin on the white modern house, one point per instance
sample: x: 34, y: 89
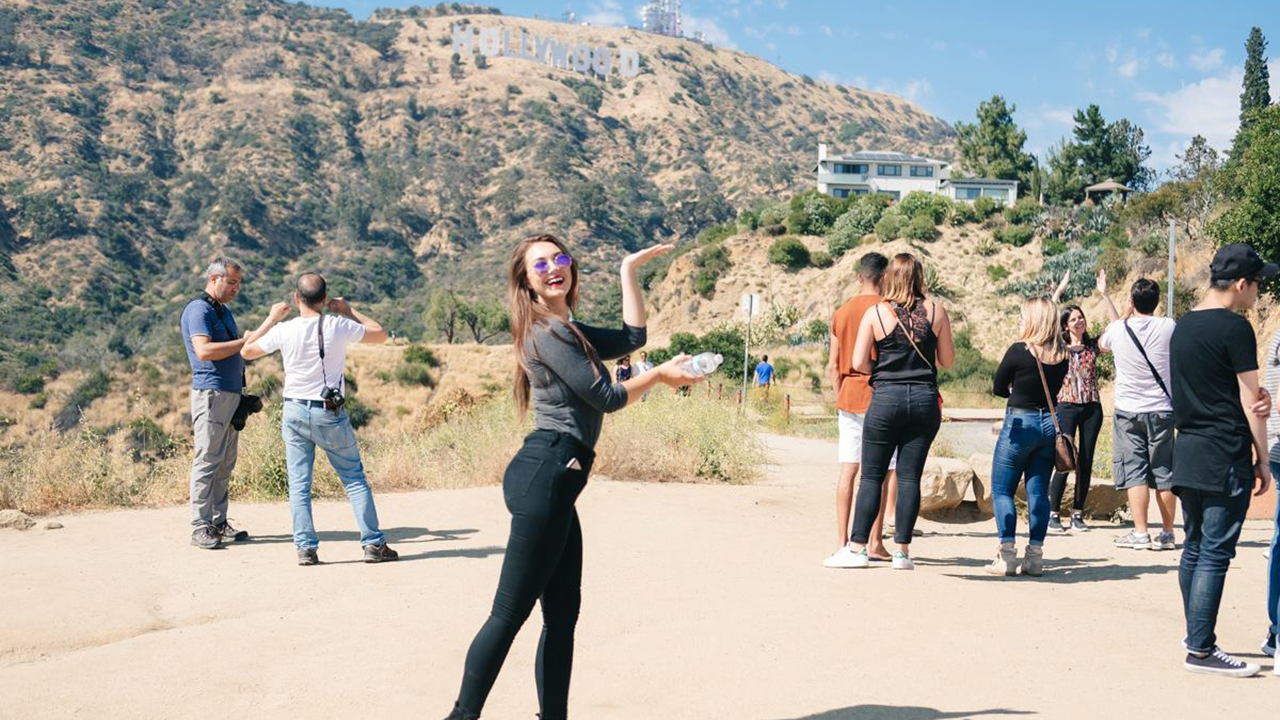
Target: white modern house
x: 896, y: 174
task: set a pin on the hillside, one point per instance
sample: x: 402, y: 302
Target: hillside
x: 140, y: 137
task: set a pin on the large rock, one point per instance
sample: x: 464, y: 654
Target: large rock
x: 981, y: 464
x: 16, y: 520
x: 944, y: 484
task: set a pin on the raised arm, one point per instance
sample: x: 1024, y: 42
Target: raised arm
x: 1112, y: 314
x: 632, y: 299
x: 1062, y: 286
x: 373, y: 331
x: 251, y: 349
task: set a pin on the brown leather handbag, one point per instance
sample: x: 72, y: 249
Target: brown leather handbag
x: 1064, y: 449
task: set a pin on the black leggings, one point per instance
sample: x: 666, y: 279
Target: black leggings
x: 903, y: 417
x: 1087, y: 419
x: 543, y: 562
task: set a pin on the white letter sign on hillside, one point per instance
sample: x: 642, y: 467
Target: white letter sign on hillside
x: 578, y: 57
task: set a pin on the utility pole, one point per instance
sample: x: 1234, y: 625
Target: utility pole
x: 750, y: 303
x: 1169, y: 303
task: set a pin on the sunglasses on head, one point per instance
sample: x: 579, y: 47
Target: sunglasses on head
x: 542, y: 265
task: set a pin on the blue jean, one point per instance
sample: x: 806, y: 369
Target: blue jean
x: 1273, y: 569
x: 903, y: 418
x: 304, y: 427
x: 1212, y: 522
x: 1025, y: 448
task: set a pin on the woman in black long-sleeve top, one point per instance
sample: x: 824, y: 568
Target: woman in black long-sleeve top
x: 559, y: 367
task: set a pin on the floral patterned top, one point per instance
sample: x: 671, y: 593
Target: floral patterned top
x: 1081, y: 384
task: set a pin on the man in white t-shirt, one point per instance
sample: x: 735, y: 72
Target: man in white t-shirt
x: 1143, y: 437
x: 314, y: 349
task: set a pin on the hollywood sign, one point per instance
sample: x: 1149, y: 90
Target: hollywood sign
x: 579, y: 57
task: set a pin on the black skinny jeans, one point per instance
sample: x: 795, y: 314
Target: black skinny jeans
x: 1085, y: 419
x: 903, y: 417
x: 543, y: 562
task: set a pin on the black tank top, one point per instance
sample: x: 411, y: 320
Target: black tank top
x: 896, y: 360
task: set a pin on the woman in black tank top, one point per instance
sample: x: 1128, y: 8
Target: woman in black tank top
x: 912, y: 338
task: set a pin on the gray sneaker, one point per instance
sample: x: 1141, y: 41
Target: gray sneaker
x: 206, y: 537
x: 1164, y: 541
x: 1134, y: 540
x: 230, y: 534
x: 308, y: 556
x: 379, y: 553
x: 1077, y: 524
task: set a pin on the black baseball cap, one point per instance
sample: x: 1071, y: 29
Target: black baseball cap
x: 1240, y: 260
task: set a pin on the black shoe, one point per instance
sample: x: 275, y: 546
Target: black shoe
x: 206, y: 537
x: 230, y: 534
x: 308, y: 556
x: 1077, y: 524
x: 460, y: 714
x: 1269, y: 645
x: 1055, y: 522
x: 379, y: 553
x: 1220, y: 663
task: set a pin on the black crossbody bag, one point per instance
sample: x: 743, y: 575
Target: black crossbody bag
x: 1155, y: 373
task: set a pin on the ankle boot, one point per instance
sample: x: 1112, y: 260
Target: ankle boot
x: 1006, y: 562
x: 1033, y: 561
x: 460, y: 714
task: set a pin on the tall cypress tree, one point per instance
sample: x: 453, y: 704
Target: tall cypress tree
x: 1257, y: 84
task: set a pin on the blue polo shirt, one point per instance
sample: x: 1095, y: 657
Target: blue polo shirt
x: 200, y: 318
x: 764, y: 373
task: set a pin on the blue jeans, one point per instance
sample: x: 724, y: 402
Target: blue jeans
x: 1273, y: 569
x: 903, y: 418
x: 1212, y: 522
x: 304, y: 428
x: 1025, y: 448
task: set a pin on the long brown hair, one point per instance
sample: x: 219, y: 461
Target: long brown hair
x: 526, y: 312
x: 903, y: 282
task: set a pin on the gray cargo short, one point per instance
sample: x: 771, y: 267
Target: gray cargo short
x: 1142, y: 450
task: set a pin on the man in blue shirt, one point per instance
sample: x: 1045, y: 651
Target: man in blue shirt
x: 217, y: 380
x: 764, y: 374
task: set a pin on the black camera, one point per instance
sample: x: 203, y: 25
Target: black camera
x: 249, y: 404
x: 333, y: 399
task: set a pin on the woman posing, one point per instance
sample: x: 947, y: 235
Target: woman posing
x: 558, y: 365
x: 912, y: 338
x: 1030, y: 376
x: 1079, y: 405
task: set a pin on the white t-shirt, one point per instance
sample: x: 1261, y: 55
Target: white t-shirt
x: 299, y: 348
x: 1136, y: 389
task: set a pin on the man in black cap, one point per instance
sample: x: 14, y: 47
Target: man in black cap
x: 1221, y: 454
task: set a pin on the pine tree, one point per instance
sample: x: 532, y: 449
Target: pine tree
x: 1257, y: 85
x: 994, y: 146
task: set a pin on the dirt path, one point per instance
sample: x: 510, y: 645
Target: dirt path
x: 700, y: 602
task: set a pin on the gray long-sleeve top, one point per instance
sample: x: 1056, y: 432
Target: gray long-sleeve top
x: 570, y: 393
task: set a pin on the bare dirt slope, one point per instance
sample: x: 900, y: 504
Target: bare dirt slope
x: 700, y: 602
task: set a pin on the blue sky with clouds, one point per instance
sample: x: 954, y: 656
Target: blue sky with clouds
x: 1172, y: 67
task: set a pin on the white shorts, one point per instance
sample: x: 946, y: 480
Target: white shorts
x: 851, y: 438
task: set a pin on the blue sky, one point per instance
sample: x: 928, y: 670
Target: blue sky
x: 1172, y: 67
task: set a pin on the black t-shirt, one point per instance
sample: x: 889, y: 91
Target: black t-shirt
x: 1018, y: 378
x: 1209, y: 348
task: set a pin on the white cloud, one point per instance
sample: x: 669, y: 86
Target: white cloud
x: 1209, y: 107
x: 826, y: 30
x: 1167, y: 61
x: 714, y: 32
x: 912, y: 90
x: 1129, y: 68
x: 1207, y: 60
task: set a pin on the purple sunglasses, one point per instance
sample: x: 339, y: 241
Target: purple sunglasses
x: 542, y: 266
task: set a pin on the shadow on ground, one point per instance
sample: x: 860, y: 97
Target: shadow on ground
x: 1064, y: 571
x: 896, y: 712
x: 400, y: 535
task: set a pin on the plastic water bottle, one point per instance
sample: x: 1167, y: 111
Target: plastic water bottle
x: 703, y: 363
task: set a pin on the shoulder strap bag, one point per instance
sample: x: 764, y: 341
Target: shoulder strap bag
x: 1155, y: 373
x: 1064, y: 450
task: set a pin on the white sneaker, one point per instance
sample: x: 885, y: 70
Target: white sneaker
x: 1006, y: 563
x: 846, y: 557
x: 902, y: 562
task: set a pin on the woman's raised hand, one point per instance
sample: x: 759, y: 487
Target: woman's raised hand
x: 1102, y: 281
x: 675, y: 374
x: 636, y: 259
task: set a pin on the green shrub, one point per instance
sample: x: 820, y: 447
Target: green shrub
x: 997, y: 273
x: 964, y: 214
x: 856, y: 222
x: 985, y: 207
x: 936, y: 207
x: 1015, y: 235
x: 922, y: 228
x: 414, y: 374
x: 1115, y: 261
x: 717, y: 233
x: 986, y: 247
x: 358, y: 412
x: 1154, y: 245
x: 1082, y: 264
x: 712, y: 262
x: 889, y: 227
x: 1023, y: 212
x: 95, y: 386
x: 749, y: 220
x: 812, y: 213
x: 815, y: 331
x: 790, y: 253
x: 774, y: 214
x: 420, y: 354
x: 39, y: 401
x: 1053, y: 246
x: 821, y: 259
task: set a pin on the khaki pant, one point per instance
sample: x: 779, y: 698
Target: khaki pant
x: 216, y: 443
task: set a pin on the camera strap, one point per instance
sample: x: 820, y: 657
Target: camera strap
x: 217, y: 311
x: 324, y: 380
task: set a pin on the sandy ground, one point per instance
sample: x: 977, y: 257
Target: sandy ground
x: 699, y: 602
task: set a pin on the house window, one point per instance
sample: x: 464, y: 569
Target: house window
x: 840, y: 192
x: 1001, y: 194
x: 889, y: 170
x: 891, y: 193
x: 968, y: 193
x: 850, y: 169
x: 860, y: 191
x: 921, y: 171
